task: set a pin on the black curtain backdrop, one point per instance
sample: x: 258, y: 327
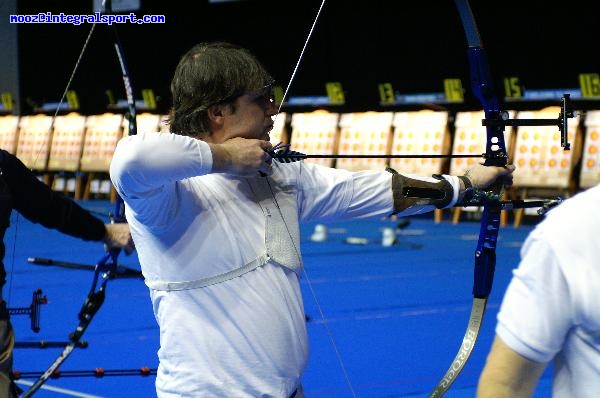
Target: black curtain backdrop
x: 413, y: 45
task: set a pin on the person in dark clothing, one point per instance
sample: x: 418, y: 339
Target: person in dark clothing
x: 20, y: 190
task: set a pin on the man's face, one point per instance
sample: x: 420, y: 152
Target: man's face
x: 250, y: 116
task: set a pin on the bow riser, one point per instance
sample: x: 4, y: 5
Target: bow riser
x: 485, y: 254
x: 495, y: 149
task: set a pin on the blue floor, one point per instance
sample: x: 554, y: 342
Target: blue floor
x: 383, y: 321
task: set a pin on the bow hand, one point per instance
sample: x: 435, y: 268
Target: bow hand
x: 483, y: 177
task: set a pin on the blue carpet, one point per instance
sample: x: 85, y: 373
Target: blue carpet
x: 383, y: 321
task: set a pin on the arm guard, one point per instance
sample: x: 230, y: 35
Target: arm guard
x: 410, y: 192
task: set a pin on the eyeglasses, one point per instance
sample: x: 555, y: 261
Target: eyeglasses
x: 264, y: 94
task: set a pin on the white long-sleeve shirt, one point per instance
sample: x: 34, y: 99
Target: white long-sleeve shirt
x: 246, y: 336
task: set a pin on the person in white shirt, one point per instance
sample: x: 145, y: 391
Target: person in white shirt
x: 216, y: 226
x: 550, y: 310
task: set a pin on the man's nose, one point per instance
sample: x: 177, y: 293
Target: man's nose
x: 272, y: 109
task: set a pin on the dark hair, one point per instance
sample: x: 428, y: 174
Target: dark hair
x: 209, y: 74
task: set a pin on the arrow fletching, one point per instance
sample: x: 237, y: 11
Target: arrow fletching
x: 287, y: 155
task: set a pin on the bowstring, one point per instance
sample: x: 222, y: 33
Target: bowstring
x: 41, y: 148
x: 305, y: 273
x: 338, y: 355
x: 297, y: 66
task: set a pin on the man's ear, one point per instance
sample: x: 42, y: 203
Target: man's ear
x: 216, y: 113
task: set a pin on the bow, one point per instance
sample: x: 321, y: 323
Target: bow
x: 108, y: 264
x: 495, y: 155
x: 495, y: 121
x: 485, y: 253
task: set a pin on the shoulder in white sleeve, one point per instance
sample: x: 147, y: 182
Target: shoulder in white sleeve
x: 149, y: 160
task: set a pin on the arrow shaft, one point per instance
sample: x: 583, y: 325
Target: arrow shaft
x: 388, y: 156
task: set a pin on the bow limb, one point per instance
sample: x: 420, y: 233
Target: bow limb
x: 485, y: 254
x: 108, y: 263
